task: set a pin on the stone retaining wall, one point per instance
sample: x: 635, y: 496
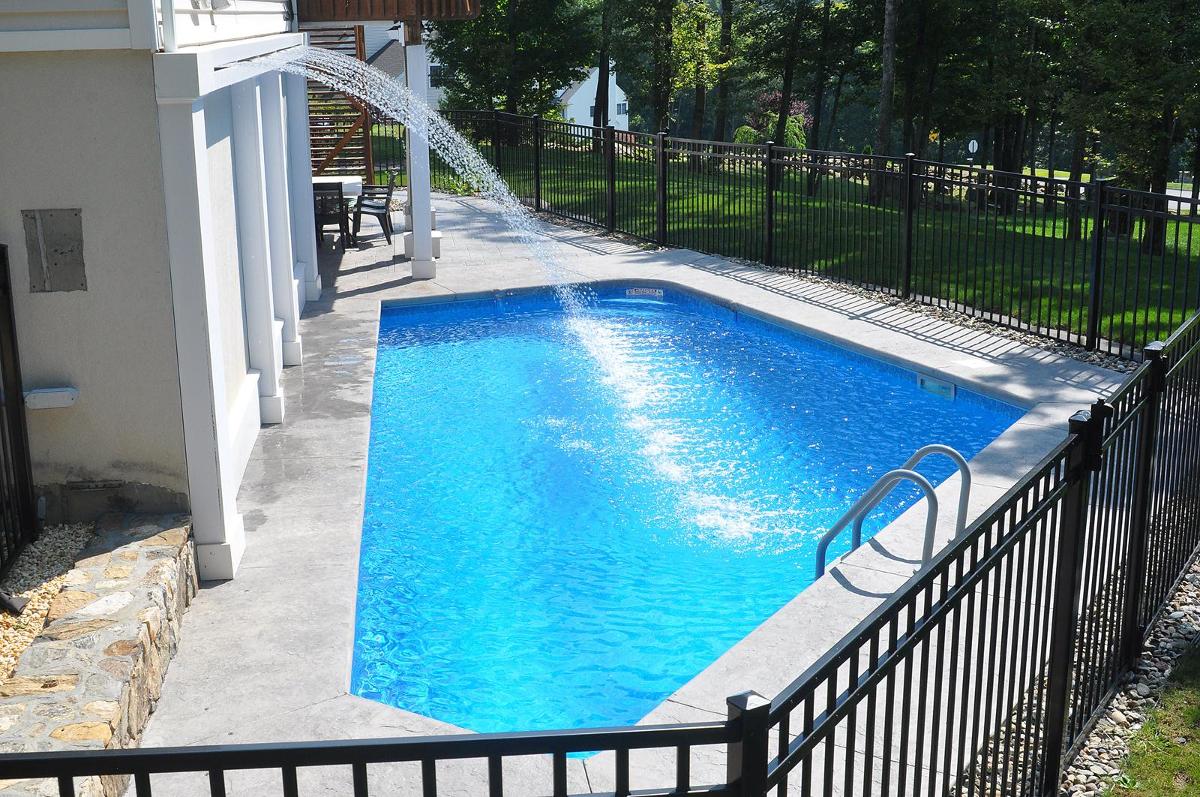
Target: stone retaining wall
x: 90, y: 680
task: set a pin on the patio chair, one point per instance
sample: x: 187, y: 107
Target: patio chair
x: 376, y: 200
x: 330, y: 207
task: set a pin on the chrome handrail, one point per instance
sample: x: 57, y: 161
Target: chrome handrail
x: 880, y: 489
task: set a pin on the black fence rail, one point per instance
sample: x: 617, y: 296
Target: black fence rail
x: 1087, y: 263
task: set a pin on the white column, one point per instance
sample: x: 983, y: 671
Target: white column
x: 416, y: 72
x: 264, y: 335
x: 285, y: 287
x: 304, y: 226
x: 212, y: 482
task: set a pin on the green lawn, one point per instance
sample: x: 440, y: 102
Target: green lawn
x: 1164, y: 757
x: 1024, y: 264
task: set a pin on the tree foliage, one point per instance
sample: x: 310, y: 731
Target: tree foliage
x: 515, y: 55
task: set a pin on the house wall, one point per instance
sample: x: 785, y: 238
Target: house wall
x: 63, y: 14
x: 126, y: 23
x: 70, y: 141
x: 580, y: 99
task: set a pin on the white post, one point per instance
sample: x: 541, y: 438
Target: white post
x: 212, y: 482
x: 304, y: 226
x: 284, y: 285
x: 416, y: 72
x: 264, y: 340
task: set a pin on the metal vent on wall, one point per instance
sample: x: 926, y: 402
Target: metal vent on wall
x: 54, y: 243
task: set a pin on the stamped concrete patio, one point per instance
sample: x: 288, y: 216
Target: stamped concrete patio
x: 266, y: 657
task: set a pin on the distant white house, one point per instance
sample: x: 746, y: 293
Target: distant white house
x: 579, y: 101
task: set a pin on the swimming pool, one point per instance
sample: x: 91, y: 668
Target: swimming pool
x: 566, y: 520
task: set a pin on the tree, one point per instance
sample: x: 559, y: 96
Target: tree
x: 604, y: 62
x: 887, y: 80
x: 694, y: 55
x: 514, y: 56
x: 721, y: 124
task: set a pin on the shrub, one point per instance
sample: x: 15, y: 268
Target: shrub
x: 746, y: 135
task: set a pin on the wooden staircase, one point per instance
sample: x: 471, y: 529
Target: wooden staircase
x: 338, y: 125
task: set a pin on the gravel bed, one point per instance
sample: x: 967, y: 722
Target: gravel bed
x: 1097, y: 766
x: 1109, y: 361
x: 38, y: 575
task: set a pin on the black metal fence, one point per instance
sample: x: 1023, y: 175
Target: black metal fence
x: 1108, y: 268
x: 982, y: 674
x: 18, y: 518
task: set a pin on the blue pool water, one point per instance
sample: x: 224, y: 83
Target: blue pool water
x: 561, y: 534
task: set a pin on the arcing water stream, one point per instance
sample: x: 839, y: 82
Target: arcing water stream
x: 635, y: 387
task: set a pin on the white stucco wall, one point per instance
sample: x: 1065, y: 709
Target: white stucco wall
x: 241, y: 385
x: 69, y: 140
x: 218, y: 122
x: 136, y: 23
x: 63, y: 14
x: 581, y: 98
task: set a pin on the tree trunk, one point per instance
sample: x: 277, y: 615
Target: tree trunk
x: 887, y: 81
x: 789, y: 75
x: 699, y: 93
x: 721, y: 127
x: 910, y: 83
x: 837, y: 99
x: 1154, y: 231
x: 600, y: 110
x: 1074, y: 218
x: 1049, y: 204
x: 663, y: 79
x: 887, y: 84
x: 819, y: 81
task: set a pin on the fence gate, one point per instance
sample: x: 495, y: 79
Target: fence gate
x: 18, y: 521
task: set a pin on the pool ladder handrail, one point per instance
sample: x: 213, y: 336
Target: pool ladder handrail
x: 883, y: 486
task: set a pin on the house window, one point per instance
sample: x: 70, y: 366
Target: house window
x: 622, y: 109
x: 592, y: 111
x: 440, y: 76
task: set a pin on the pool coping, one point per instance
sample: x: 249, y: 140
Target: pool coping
x: 482, y: 260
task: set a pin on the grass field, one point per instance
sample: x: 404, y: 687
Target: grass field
x: 1164, y: 757
x: 1024, y: 265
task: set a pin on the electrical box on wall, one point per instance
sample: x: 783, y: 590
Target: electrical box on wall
x: 54, y: 243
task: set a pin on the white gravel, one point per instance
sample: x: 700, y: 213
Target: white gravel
x: 37, y: 575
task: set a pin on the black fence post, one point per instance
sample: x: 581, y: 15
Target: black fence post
x: 1096, y: 274
x: 660, y: 190
x: 537, y: 162
x: 746, y: 759
x: 610, y: 177
x: 13, y: 397
x: 1085, y: 458
x: 909, y: 211
x: 769, y: 205
x: 1133, y: 635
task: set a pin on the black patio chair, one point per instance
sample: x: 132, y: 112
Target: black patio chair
x: 330, y: 207
x: 376, y: 200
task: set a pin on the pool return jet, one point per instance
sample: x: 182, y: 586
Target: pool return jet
x: 880, y: 489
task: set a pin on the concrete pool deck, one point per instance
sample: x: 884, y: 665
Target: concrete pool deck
x: 266, y: 657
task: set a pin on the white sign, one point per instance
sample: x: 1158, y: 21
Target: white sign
x: 972, y: 146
